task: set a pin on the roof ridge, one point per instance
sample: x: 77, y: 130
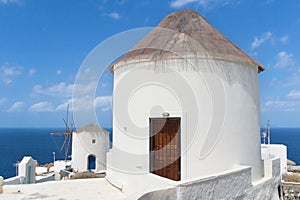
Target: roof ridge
x: 91, y: 127
x: 184, y: 33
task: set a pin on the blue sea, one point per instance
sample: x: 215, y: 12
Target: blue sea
x: 289, y: 137
x: 15, y: 143
x: 38, y: 143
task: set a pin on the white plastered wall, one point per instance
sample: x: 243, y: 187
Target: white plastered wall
x: 26, y: 170
x: 218, y: 103
x: 275, y: 151
x: 82, y: 147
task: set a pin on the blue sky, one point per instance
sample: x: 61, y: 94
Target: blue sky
x: 43, y: 43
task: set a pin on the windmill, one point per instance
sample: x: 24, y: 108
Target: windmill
x: 69, y: 128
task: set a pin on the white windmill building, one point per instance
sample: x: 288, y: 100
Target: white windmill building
x: 186, y: 109
x: 89, y: 147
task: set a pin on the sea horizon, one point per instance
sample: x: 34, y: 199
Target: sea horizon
x: 39, y: 127
x: 57, y: 127
x: 17, y: 142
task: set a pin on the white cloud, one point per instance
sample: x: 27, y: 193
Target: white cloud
x: 9, y: 1
x: 83, y: 89
x: 284, y: 39
x: 16, y: 107
x: 114, y: 15
x: 105, y: 109
x: 87, y: 103
x: 2, y: 100
x: 63, y: 106
x: 293, y: 80
x: 43, y: 106
x: 31, y: 72
x: 283, y: 60
x: 286, y: 103
x: 294, y: 94
x: 258, y: 41
x: 280, y: 105
x: 104, y: 85
x: 82, y: 103
x: 65, y: 90
x: 103, y: 102
x: 289, y: 81
x: 268, y: 36
x: 181, y: 3
x: 59, y: 90
x: 87, y: 70
x: 203, y: 3
x: 276, y: 102
x: 59, y: 72
x: 7, y: 73
x: 10, y: 71
x: 7, y: 81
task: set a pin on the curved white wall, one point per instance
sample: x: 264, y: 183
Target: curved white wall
x: 218, y: 103
x: 82, y: 147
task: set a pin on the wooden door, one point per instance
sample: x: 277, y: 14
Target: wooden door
x: 165, y: 147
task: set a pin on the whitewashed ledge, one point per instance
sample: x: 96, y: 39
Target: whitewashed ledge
x: 231, y: 185
x: 235, y: 184
x: 96, y: 188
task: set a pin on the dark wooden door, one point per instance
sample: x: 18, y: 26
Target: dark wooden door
x: 165, y: 147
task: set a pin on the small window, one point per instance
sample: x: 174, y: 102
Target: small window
x: 93, y: 141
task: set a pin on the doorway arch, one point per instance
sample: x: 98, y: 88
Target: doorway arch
x: 91, y: 162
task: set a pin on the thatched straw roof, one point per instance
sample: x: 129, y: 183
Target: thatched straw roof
x: 185, y: 34
x: 91, y: 128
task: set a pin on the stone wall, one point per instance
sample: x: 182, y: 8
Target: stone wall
x: 291, y: 190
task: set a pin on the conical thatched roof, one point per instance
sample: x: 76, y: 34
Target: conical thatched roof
x: 91, y: 128
x: 185, y: 34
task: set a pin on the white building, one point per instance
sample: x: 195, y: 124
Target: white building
x: 89, y: 147
x: 60, y: 165
x: 26, y: 170
x: 185, y: 107
x: 275, y: 150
